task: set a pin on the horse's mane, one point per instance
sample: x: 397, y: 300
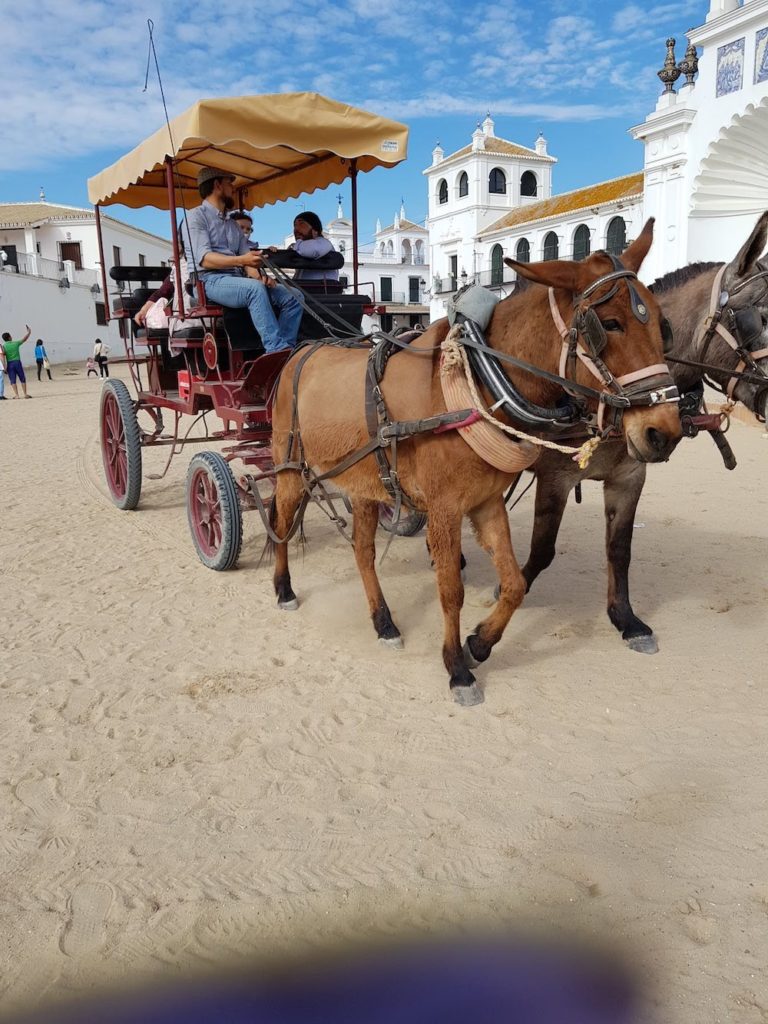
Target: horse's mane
x: 676, y: 278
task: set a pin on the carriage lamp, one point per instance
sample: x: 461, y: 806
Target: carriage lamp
x: 463, y: 276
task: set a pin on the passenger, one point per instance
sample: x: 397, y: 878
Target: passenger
x: 245, y: 222
x: 311, y: 244
x: 230, y: 270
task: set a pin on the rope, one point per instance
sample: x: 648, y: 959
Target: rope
x: 454, y: 353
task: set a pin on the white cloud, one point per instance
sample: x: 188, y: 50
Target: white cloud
x: 78, y: 69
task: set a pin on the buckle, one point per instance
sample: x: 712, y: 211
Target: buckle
x: 668, y: 393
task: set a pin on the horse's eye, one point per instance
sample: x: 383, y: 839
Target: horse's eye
x: 612, y: 325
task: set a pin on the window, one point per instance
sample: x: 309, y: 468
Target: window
x: 497, y: 182
x: 616, y: 239
x: 413, y: 289
x: 454, y: 272
x: 70, y: 251
x: 385, y: 287
x: 523, y: 251
x: 551, y: 247
x: 463, y: 184
x: 528, y: 184
x: 581, y: 242
x: 497, y: 265
x: 101, y: 316
x: 342, y: 246
x: 116, y: 257
x: 442, y: 191
x: 386, y: 322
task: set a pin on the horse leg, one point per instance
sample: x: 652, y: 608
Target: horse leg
x: 444, y: 536
x: 621, y: 492
x: 287, y: 498
x: 551, y: 498
x: 491, y: 523
x: 366, y: 521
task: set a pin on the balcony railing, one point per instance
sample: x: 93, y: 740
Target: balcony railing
x: 31, y: 265
x: 486, y: 278
x: 401, y: 299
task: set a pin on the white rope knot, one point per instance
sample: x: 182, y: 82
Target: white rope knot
x: 451, y: 348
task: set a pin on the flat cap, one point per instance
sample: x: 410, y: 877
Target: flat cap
x: 209, y: 173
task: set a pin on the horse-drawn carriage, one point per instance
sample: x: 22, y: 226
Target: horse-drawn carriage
x: 210, y: 359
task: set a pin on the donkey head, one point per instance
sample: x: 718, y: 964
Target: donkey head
x: 619, y: 323
x: 747, y: 296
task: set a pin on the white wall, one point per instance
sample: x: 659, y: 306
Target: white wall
x: 64, y: 318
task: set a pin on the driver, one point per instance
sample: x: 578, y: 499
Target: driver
x: 229, y: 269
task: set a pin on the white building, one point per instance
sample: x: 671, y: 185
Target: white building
x: 51, y: 276
x: 705, y: 176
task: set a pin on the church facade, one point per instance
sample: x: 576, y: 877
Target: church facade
x: 704, y: 175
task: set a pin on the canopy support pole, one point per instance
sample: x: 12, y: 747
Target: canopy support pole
x: 107, y: 317
x: 174, y: 233
x: 353, y: 176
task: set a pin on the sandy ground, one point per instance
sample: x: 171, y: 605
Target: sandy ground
x: 187, y: 774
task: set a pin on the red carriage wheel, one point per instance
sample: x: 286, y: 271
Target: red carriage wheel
x: 120, y: 444
x: 213, y: 511
x: 410, y: 521
x: 210, y: 351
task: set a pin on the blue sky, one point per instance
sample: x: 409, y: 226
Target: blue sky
x: 579, y: 71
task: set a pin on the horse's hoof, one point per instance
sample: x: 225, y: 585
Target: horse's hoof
x: 468, y: 696
x: 469, y: 659
x: 395, y: 642
x: 288, y: 606
x: 643, y: 644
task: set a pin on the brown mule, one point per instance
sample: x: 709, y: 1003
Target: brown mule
x: 440, y: 473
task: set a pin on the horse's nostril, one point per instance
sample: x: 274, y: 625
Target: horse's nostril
x: 656, y: 439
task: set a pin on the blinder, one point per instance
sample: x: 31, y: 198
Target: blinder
x: 667, y: 335
x: 591, y: 329
x: 749, y: 325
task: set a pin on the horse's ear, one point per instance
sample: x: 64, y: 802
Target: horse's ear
x: 745, y: 261
x: 553, y: 273
x: 634, y: 254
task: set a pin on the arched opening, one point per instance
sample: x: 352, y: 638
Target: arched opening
x: 581, y: 246
x: 497, y: 182
x: 390, y: 248
x: 497, y: 265
x: 734, y: 173
x: 442, y: 191
x: 528, y: 184
x: 551, y: 247
x: 405, y: 251
x: 523, y: 251
x: 463, y: 184
x: 616, y: 237
x: 418, y: 251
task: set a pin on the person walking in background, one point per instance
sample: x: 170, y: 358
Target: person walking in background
x: 100, y: 353
x: 15, y: 369
x: 41, y: 358
x: 2, y: 374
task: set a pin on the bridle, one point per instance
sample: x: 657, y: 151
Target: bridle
x: 741, y: 330
x: 651, y: 385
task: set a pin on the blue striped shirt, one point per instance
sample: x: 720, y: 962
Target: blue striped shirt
x: 206, y: 231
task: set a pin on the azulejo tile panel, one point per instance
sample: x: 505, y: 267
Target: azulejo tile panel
x: 761, y: 55
x: 730, y: 67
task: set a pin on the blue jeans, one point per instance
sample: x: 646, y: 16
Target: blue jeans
x: 275, y: 311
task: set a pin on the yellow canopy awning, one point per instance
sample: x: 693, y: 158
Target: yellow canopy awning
x: 278, y: 146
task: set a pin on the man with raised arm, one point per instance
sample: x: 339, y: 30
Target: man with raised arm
x: 219, y: 252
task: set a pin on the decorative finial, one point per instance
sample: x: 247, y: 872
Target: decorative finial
x: 689, y: 65
x: 670, y: 73
x: 42, y: 194
x: 339, y: 211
